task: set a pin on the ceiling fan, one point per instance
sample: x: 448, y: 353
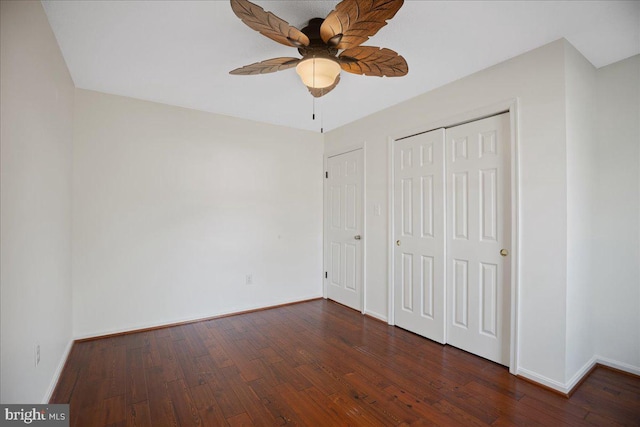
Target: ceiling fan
x: 327, y: 45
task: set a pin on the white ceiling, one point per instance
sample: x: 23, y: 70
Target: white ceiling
x: 180, y: 52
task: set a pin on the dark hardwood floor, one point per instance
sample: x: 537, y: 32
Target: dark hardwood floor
x: 317, y: 364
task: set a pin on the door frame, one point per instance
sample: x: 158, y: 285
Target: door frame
x: 508, y: 106
x: 325, y: 220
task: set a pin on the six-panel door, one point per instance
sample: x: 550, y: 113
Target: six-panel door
x: 344, y: 229
x: 478, y: 228
x: 419, y: 266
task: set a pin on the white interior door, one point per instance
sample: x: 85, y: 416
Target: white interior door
x: 344, y: 229
x: 419, y: 256
x: 478, y: 229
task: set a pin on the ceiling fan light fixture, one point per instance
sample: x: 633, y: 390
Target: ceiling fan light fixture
x: 327, y: 46
x: 318, y: 73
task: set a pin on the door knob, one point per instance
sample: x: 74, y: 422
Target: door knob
x: 357, y: 237
x: 397, y: 242
x: 504, y: 252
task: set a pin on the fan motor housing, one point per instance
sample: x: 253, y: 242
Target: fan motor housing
x: 317, y: 47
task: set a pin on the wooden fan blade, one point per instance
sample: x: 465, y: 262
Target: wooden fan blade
x: 357, y: 20
x: 268, y: 24
x: 373, y: 61
x: 268, y: 66
x: 325, y: 90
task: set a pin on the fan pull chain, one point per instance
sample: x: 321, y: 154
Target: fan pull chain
x: 313, y: 115
x: 313, y: 108
x: 313, y: 111
x: 319, y: 112
x: 321, y: 118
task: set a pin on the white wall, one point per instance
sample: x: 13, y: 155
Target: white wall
x: 35, y: 263
x: 536, y: 79
x: 580, y: 80
x: 173, y: 207
x: 617, y: 278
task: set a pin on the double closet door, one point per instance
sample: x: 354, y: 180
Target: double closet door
x: 452, y: 231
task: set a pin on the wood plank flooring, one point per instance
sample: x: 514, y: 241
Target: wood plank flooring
x: 316, y: 364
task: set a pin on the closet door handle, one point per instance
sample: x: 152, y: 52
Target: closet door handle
x: 357, y: 237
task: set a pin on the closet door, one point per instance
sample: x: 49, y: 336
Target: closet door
x: 478, y: 237
x: 419, y: 256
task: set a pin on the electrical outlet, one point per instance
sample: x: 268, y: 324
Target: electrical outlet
x: 37, y: 354
x: 249, y: 279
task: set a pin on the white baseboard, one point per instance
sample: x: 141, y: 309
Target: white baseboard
x: 376, y: 315
x: 575, y: 380
x: 541, y: 379
x: 57, y: 373
x: 580, y: 375
x: 168, y: 323
x: 618, y: 365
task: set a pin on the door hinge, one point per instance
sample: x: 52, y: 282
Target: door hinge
x: 326, y: 174
x: 326, y: 275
